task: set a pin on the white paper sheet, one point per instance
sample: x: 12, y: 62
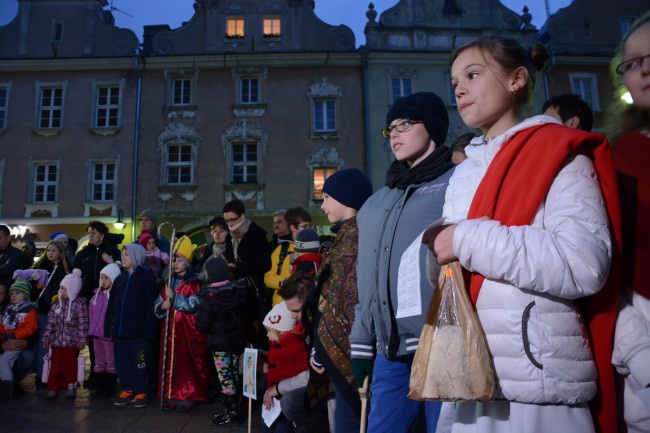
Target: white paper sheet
x: 269, y: 416
x: 409, y: 301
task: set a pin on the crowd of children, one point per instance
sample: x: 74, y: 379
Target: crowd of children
x: 333, y: 318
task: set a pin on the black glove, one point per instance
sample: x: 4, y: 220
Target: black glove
x: 360, y: 369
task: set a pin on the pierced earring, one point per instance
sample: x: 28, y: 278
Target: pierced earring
x: 514, y: 90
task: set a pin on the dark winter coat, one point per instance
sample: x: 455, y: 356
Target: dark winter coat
x: 89, y: 261
x: 218, y: 316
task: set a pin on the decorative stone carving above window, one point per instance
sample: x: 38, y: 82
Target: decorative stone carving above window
x: 244, y: 130
x: 41, y: 210
x: 248, y: 193
x: 168, y: 192
x: 324, y: 89
x: 325, y: 157
x: 97, y: 209
x: 249, y: 110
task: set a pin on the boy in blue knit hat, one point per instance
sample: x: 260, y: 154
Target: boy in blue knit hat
x: 344, y: 192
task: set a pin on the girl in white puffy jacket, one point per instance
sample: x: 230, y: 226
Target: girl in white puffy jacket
x: 530, y: 210
x: 630, y: 124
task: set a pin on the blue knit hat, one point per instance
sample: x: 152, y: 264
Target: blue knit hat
x: 349, y: 186
x: 306, y: 241
x: 21, y: 286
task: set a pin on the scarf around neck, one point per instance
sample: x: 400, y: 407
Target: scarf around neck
x: 239, y: 233
x: 10, y: 319
x: 401, y: 175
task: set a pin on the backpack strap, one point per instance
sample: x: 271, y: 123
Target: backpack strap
x: 284, y: 250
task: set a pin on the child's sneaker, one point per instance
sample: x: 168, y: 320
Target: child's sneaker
x: 51, y: 395
x: 141, y: 400
x: 125, y: 398
x: 71, y: 393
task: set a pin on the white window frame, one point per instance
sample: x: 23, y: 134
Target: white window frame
x: 246, y: 95
x: 244, y: 163
x: 272, y: 27
x: 321, y: 113
x: 179, y: 164
x: 108, y: 106
x: 45, y: 183
x: 591, y: 80
x: 235, y: 27
x: 4, y: 107
x: 103, y: 182
x: 52, y: 108
x: 401, y: 79
x: 185, y: 97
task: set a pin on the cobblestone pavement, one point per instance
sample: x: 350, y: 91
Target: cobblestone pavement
x: 31, y: 413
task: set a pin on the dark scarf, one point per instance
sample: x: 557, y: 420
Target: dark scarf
x: 11, y: 314
x: 401, y: 175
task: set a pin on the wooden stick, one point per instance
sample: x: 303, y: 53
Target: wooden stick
x: 363, y: 393
x: 250, y: 414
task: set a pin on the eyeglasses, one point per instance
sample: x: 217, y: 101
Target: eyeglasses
x: 232, y: 220
x: 402, y: 126
x: 632, y: 64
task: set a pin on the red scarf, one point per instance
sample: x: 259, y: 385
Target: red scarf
x: 515, y: 184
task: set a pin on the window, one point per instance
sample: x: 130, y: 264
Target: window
x: 401, y: 87
x: 324, y: 115
x: 320, y: 174
x: 108, y: 106
x: 103, y: 182
x: 585, y: 85
x: 244, y: 163
x: 4, y: 102
x: 51, y: 107
x: 182, y: 91
x: 45, y: 183
x: 235, y: 28
x: 179, y: 167
x: 272, y: 27
x: 249, y: 90
x: 57, y: 31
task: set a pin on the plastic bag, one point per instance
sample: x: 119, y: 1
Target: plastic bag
x: 452, y: 362
x: 47, y: 366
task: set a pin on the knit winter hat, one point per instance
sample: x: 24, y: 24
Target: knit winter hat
x: 349, y: 186
x: 21, y: 286
x: 183, y: 247
x: 144, y: 239
x: 72, y: 284
x: 59, y: 236
x: 279, y: 318
x: 424, y: 106
x: 306, y: 241
x: 112, y: 271
x: 151, y: 214
x: 216, y: 270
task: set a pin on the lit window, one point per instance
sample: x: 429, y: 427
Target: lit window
x: 249, y: 90
x: 45, y: 183
x: 401, y: 87
x: 51, y: 107
x: 320, y: 174
x: 235, y: 28
x: 244, y: 163
x: 108, y: 106
x: 182, y: 89
x: 103, y: 183
x: 180, y: 168
x: 585, y: 85
x: 324, y: 115
x: 272, y: 27
x: 4, y: 102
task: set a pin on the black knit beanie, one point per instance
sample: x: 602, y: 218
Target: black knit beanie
x: 216, y: 270
x: 349, y: 187
x: 424, y: 106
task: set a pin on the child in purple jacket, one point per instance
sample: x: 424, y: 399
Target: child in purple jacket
x: 66, y: 333
x: 102, y: 346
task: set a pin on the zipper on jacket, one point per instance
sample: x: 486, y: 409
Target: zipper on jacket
x: 126, y: 289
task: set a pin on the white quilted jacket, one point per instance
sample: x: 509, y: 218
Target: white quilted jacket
x: 532, y: 273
